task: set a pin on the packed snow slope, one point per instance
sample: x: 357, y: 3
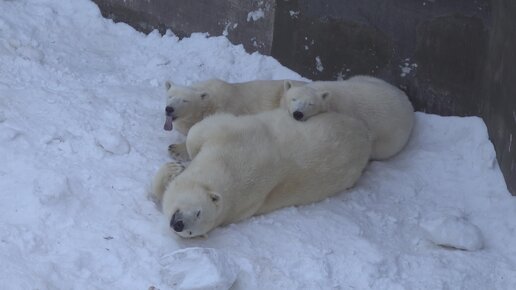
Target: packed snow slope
x: 81, y: 118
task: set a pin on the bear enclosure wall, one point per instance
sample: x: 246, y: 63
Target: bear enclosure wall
x: 451, y: 57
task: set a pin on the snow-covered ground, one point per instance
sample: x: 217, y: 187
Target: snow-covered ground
x: 81, y: 118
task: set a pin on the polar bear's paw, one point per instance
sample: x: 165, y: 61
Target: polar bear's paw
x: 179, y: 152
x: 168, y: 172
x: 174, y: 168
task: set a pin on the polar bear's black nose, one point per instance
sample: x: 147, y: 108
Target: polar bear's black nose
x: 176, y: 223
x: 169, y: 110
x: 178, y: 226
x: 298, y: 115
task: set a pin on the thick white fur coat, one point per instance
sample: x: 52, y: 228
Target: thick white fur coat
x: 259, y: 163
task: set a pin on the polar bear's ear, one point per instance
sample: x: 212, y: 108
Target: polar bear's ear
x: 324, y: 95
x: 287, y: 85
x: 168, y: 85
x: 215, y: 197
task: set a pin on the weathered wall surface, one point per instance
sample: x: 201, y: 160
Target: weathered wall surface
x: 451, y: 57
x: 499, y: 88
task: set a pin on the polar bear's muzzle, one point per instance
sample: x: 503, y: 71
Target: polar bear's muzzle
x: 169, y: 110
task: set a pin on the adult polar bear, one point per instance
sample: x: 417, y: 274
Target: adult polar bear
x: 187, y: 105
x: 248, y: 165
x: 385, y: 109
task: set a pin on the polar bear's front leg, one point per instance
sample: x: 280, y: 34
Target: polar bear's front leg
x: 179, y: 152
x: 163, y: 177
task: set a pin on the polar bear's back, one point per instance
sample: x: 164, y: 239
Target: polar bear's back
x: 365, y: 93
x: 393, y: 117
x: 246, y: 97
x: 227, y: 129
x: 385, y: 109
x: 326, y: 155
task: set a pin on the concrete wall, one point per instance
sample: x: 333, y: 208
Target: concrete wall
x: 499, y: 88
x: 451, y: 57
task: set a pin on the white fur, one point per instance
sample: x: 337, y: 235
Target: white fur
x: 193, y: 103
x: 385, y: 109
x: 255, y: 164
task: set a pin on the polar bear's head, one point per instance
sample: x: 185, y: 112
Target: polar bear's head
x: 184, y: 104
x: 191, y: 209
x: 304, y: 102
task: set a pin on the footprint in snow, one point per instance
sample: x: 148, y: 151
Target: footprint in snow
x: 26, y: 51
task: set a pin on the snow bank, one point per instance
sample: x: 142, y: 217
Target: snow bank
x: 81, y: 115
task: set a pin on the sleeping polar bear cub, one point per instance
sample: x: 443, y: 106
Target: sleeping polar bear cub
x: 385, y: 109
x: 248, y: 165
x: 187, y: 105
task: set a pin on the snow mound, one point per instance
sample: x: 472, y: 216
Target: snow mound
x: 198, y: 268
x: 455, y: 232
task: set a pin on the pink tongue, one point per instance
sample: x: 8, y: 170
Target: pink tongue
x: 168, y: 124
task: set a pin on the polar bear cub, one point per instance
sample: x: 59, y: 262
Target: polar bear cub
x: 385, y: 109
x: 248, y: 165
x: 187, y: 105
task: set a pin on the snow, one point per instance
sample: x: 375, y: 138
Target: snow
x: 81, y: 118
x: 454, y: 232
x: 181, y: 268
x: 318, y: 64
x: 294, y: 14
x: 255, y: 15
x: 406, y: 67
